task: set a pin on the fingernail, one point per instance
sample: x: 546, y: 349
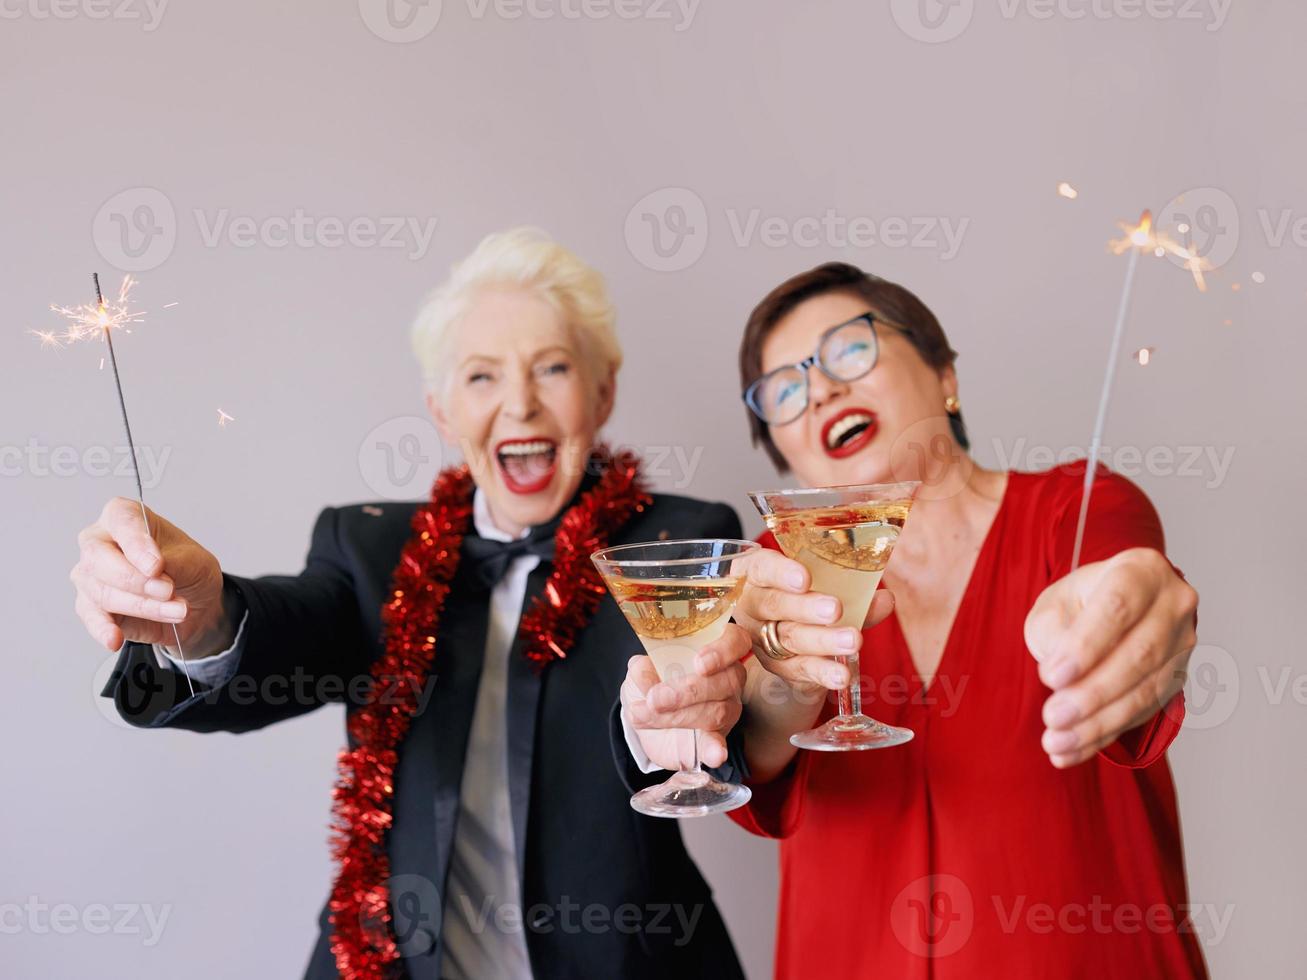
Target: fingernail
x: 1062, y: 672
x: 157, y: 588
x: 826, y: 607
x: 794, y: 579
x: 835, y: 677
x: 173, y: 610
x: 1058, y: 743
x: 849, y: 640
x: 705, y: 662
x: 1062, y: 713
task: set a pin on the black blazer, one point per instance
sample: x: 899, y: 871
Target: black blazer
x: 605, y: 891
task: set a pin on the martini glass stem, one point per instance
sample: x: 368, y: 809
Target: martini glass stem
x: 694, y: 743
x: 850, y: 698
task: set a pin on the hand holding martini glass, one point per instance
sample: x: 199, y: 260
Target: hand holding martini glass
x: 844, y: 537
x: 678, y: 597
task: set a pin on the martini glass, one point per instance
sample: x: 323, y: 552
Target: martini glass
x: 844, y: 537
x: 678, y: 597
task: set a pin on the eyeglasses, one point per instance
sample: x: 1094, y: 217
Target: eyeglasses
x: 846, y: 352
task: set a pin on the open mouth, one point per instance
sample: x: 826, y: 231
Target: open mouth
x: 527, y: 465
x: 848, y: 432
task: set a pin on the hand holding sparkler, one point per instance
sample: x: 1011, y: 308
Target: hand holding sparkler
x: 152, y: 586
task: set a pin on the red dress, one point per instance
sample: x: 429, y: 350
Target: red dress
x: 964, y: 853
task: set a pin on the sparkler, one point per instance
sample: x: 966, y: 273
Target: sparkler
x: 1142, y: 237
x: 101, y: 320
x: 1137, y: 238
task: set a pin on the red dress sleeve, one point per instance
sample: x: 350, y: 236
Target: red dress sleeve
x: 1120, y: 517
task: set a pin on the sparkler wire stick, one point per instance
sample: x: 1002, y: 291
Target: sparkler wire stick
x: 1113, y: 355
x: 136, y: 470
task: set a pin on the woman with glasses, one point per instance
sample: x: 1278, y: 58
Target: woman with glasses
x: 1030, y: 827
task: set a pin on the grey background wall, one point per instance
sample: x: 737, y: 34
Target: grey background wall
x: 296, y: 176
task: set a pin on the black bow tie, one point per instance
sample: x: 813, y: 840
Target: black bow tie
x: 490, y: 559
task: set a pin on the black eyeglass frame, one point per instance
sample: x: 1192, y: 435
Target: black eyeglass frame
x: 749, y: 395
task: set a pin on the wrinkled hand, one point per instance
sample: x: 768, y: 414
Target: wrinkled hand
x: 1113, y: 640
x: 132, y: 585
x: 777, y: 588
x: 708, y: 700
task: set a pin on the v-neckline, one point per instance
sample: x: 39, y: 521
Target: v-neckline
x: 924, y: 691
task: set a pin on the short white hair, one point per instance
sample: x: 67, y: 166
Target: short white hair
x: 525, y: 258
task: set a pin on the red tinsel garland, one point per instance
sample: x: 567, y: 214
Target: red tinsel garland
x: 362, y: 941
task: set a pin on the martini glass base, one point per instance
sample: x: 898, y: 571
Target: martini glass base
x: 851, y: 733
x: 690, y: 794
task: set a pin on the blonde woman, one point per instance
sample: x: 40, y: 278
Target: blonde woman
x: 481, y: 826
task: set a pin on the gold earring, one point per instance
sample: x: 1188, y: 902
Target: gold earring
x: 951, y: 404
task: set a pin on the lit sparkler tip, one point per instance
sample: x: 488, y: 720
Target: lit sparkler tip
x: 1142, y: 235
x: 1067, y: 191
x: 96, y: 319
x: 1136, y: 236
x: 1143, y: 355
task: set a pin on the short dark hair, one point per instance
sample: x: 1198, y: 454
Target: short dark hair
x: 888, y: 301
